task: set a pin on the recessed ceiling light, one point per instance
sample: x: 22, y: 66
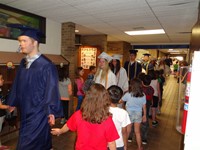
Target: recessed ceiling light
x: 145, y: 32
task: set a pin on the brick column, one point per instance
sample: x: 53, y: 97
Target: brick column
x: 69, y: 51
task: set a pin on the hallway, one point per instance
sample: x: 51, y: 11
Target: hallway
x: 162, y: 137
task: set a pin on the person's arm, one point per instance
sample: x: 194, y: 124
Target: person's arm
x: 112, y: 145
x: 58, y: 131
x: 144, y: 118
x: 124, y: 136
x: 51, y: 120
x: 159, y: 94
x: 2, y: 106
x: 70, y: 89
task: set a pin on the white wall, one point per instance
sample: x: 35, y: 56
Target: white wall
x: 53, y: 40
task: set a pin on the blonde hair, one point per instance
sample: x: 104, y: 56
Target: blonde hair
x: 104, y: 71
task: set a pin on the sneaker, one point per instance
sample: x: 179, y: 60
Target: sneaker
x: 129, y: 140
x: 154, y: 123
x: 144, y: 142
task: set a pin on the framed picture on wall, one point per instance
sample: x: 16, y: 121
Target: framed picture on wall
x: 10, y: 15
x: 88, y: 57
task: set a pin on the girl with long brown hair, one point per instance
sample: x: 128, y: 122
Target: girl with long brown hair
x: 93, y: 122
x: 135, y: 104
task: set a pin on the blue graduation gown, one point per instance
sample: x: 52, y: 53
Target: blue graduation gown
x: 130, y: 69
x: 35, y: 92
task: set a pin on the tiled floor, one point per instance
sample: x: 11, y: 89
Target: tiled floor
x: 162, y: 137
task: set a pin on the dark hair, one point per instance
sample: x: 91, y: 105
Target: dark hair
x: 141, y: 75
x: 92, y: 68
x: 95, y: 106
x: 154, y: 74
x: 115, y: 93
x: 161, y: 71
x: 77, y: 71
x: 146, y: 80
x: 118, y: 66
x: 63, y: 73
x: 135, y: 88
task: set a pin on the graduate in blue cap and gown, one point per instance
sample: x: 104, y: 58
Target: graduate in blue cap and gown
x: 147, y: 64
x: 133, y: 68
x: 35, y: 92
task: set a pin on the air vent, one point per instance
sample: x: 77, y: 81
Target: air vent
x: 178, y: 4
x: 138, y: 28
x: 184, y: 32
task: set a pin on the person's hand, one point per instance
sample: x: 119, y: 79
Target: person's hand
x: 56, y: 131
x: 144, y: 118
x: 11, y: 109
x: 51, y: 120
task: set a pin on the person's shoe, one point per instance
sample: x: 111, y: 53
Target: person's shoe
x: 154, y: 123
x: 144, y: 142
x: 129, y: 140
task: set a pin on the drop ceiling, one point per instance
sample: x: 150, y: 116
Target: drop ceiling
x: 113, y: 17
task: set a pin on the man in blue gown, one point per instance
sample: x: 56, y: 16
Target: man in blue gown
x: 35, y: 93
x: 133, y: 68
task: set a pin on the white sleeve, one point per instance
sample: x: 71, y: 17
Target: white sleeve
x: 111, y: 79
x: 126, y: 120
x: 123, y: 83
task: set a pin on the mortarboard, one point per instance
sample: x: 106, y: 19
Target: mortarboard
x: 105, y: 56
x: 116, y: 56
x: 147, y: 54
x: 28, y: 31
x: 133, y: 51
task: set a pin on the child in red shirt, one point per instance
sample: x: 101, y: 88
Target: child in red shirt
x: 93, y: 122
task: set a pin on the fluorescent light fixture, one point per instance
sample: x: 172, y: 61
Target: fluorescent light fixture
x: 145, y: 32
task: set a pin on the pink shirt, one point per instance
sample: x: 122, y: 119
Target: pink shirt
x: 92, y: 136
x: 79, y: 84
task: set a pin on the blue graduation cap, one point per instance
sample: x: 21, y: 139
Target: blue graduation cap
x: 133, y: 51
x: 28, y: 31
x: 147, y: 54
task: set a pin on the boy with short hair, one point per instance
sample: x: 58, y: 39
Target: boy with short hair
x: 148, y: 91
x: 120, y: 116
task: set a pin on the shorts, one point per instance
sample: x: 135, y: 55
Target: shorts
x: 155, y: 101
x: 135, y: 116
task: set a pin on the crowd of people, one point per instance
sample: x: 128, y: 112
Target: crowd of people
x: 100, y: 122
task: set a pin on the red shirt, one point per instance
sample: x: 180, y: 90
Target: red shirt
x: 148, y: 91
x: 92, y: 136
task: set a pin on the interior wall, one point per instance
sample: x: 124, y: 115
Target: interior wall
x: 99, y: 41
x: 53, y: 40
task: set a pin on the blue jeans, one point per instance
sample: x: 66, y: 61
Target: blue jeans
x: 80, y: 100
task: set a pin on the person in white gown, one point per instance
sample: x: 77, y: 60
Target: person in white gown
x: 120, y: 72
x: 104, y: 75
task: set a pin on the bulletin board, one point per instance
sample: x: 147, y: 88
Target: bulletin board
x: 88, y: 57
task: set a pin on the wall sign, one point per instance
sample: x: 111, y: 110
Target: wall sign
x: 88, y: 57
